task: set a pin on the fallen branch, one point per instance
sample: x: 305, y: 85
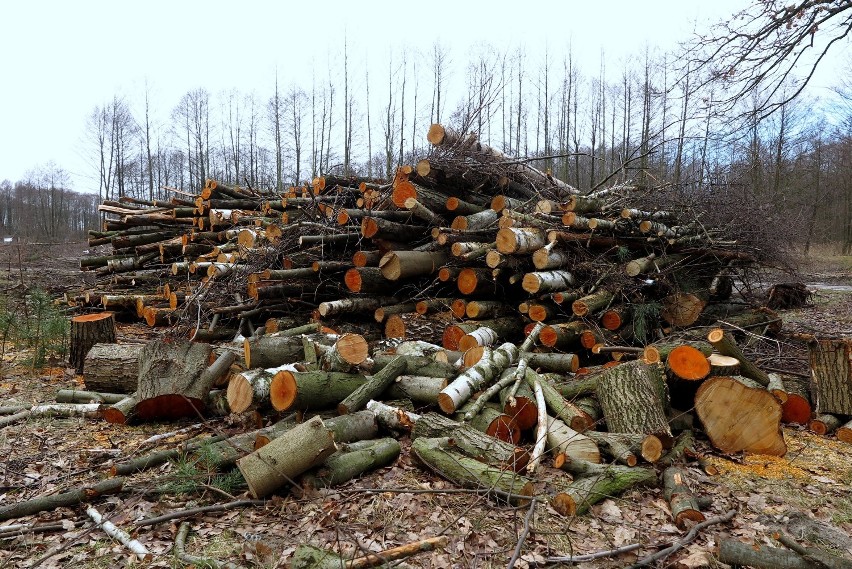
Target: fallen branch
x: 597, y: 555
x: 199, y: 510
x: 688, y: 538
x: 118, y: 534
x: 524, y: 533
x: 180, y: 552
x: 70, y: 498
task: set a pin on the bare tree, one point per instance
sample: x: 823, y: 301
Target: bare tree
x: 762, y: 48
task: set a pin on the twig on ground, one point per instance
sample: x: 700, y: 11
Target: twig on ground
x: 200, y: 510
x: 596, y: 555
x: 524, y: 533
x: 180, y: 552
x: 688, y: 538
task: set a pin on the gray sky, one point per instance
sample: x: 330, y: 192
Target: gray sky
x: 58, y: 59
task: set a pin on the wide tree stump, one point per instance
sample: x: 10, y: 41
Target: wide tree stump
x: 739, y: 415
x: 86, y: 331
x: 112, y: 368
x: 632, y: 401
x: 169, y: 380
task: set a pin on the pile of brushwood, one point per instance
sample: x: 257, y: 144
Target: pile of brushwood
x: 488, y: 311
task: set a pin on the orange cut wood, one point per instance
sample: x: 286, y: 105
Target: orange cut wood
x: 687, y: 363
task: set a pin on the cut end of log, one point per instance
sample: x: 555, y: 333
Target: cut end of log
x: 369, y: 227
x: 688, y: 363
x: 612, y: 320
x: 352, y: 280
x: 682, y: 309
x: 459, y: 308
x: 171, y: 406
x: 239, y: 394
x: 524, y: 412
x: 282, y: 390
x: 796, y: 409
x: 651, y: 355
x: 715, y: 335
x: 353, y: 348
x: 446, y: 403
x: 652, y: 448
x: 472, y: 356
x: 563, y: 503
x: 505, y: 429
x: 92, y: 317
x: 394, y: 326
x: 452, y: 335
x: 467, y: 281
x: 436, y: 134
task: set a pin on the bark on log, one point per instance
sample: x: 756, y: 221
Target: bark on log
x: 417, y: 388
x: 736, y: 553
x: 607, y: 481
x: 86, y: 331
x: 290, y: 390
x: 112, y: 367
x: 502, y: 485
x: 286, y: 457
x: 565, y: 441
x: 547, y: 281
x: 396, y: 265
x: 797, y: 408
x: 373, y: 387
x: 631, y: 401
x: 739, y: 417
x: 488, y: 368
x: 831, y: 370
x: 77, y: 396
x: 574, y: 416
x: 824, y: 424
x: 350, y: 461
x: 471, y: 442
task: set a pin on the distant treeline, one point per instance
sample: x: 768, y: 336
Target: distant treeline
x: 41, y: 208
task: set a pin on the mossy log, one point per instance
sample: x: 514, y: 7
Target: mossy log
x: 599, y: 483
x: 351, y: 461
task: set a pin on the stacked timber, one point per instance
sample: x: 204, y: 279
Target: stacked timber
x: 527, y: 322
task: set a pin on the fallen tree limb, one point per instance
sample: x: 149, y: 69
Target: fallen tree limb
x: 312, y: 557
x: 65, y: 499
x: 189, y: 512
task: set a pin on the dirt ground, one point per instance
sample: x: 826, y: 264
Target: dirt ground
x: 805, y: 492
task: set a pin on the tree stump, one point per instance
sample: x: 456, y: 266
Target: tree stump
x: 169, y: 379
x: 86, y: 331
x: 112, y: 368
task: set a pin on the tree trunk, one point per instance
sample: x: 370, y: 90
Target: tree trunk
x: 831, y: 369
x: 86, y: 331
x: 631, y: 401
x: 112, y: 367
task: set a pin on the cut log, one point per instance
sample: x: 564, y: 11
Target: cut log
x: 516, y: 241
x: 77, y: 396
x: 682, y: 309
x: 350, y: 461
x: 797, y: 408
x: 825, y: 424
x: 627, y: 447
x: 686, y: 363
x: 286, y: 457
x: 493, y: 422
x: 488, y: 368
x: 252, y: 388
x: 472, y: 442
x: 562, y: 336
x: 112, y: 367
x: 373, y: 387
x: 563, y: 441
x: 844, y: 433
x: 600, y: 483
x: 591, y: 303
x: 631, y: 400
x: 831, y: 371
x: 725, y: 366
x: 86, y: 331
x: 738, y: 417
x: 312, y: 557
x: 272, y: 350
x: 349, y: 350
x: 681, y: 500
x: 290, y: 389
x: 547, y: 281
x: 518, y: 401
x: 727, y: 346
x: 396, y: 265
x: 417, y: 388
x: 502, y: 485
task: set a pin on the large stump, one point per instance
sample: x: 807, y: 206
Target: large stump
x: 740, y: 415
x: 112, y: 368
x: 86, y: 331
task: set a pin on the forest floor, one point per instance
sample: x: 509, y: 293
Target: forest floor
x: 805, y: 492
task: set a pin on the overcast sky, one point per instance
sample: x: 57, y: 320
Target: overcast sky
x: 58, y: 59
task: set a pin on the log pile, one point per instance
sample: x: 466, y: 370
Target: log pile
x: 536, y: 320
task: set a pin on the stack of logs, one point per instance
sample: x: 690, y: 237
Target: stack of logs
x: 473, y: 284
